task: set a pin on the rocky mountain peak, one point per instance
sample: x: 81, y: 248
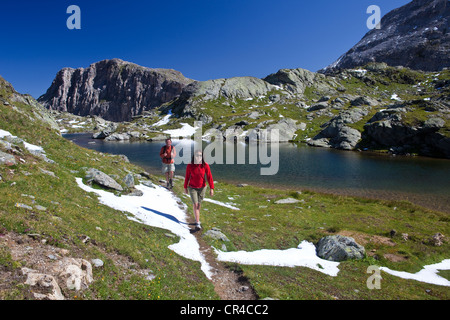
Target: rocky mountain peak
x: 415, y: 35
x: 113, y: 89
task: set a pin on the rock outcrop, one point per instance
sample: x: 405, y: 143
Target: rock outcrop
x: 297, y: 80
x: 337, y: 134
x: 113, y: 89
x: 415, y: 35
x: 387, y: 129
x: 14, y: 100
x: 232, y: 88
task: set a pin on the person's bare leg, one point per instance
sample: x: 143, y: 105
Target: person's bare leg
x: 197, y: 213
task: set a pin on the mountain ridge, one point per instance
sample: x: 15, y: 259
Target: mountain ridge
x: 415, y: 36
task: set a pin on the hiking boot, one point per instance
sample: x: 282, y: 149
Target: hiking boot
x: 170, y: 183
x: 198, y: 225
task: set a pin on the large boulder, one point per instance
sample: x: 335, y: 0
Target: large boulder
x: 339, y: 248
x: 101, y: 178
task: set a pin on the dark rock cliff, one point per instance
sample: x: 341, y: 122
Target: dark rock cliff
x: 113, y: 89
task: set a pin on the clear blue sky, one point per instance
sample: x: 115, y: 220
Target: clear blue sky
x: 203, y: 39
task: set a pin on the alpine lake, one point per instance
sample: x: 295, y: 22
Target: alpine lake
x: 420, y: 180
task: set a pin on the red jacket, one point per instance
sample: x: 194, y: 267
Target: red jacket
x: 195, y: 176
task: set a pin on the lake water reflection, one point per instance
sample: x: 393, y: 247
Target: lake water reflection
x: 422, y: 180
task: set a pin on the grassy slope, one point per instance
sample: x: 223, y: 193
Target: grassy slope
x: 72, y: 213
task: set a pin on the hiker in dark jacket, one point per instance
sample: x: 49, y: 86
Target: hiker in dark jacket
x: 167, y: 155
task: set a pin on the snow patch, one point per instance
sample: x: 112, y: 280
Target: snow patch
x: 30, y: 147
x: 395, y: 97
x: 428, y: 274
x: 185, y: 131
x: 302, y: 256
x: 157, y: 207
x: 164, y: 120
x: 229, y: 205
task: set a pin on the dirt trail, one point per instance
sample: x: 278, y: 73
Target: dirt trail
x: 228, y: 284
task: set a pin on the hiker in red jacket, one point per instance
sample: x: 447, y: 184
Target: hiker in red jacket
x: 195, y: 182
x: 167, y: 155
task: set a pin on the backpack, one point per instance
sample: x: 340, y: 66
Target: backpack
x: 169, y: 158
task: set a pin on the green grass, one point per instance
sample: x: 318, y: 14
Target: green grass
x: 262, y: 224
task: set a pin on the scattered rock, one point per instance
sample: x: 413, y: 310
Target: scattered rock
x: 85, y: 239
x: 170, y: 235
x: 437, y: 239
x: 337, y: 133
x: 129, y: 180
x: 75, y: 273
x: 150, y: 277
x: 287, y: 200
x: 7, y: 159
x: 97, y: 263
x: 42, y: 283
x: 50, y: 173
x: 136, y: 193
x: 34, y: 236
x: 364, y: 101
x: 241, y: 185
x: 24, y: 206
x: 318, y: 106
x: 216, y: 234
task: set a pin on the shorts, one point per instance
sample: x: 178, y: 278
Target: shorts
x: 197, y: 195
x: 167, y: 167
